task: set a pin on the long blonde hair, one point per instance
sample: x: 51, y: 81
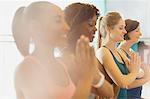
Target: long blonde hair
x: 109, y: 20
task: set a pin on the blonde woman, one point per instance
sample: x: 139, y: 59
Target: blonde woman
x: 112, y: 29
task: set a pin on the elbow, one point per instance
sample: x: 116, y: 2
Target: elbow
x: 106, y: 91
x: 111, y: 94
x: 108, y: 94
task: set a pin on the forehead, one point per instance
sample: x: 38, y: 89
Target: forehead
x: 121, y: 22
x: 54, y: 13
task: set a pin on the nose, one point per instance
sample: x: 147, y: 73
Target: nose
x: 140, y: 33
x: 124, y: 31
x: 95, y: 29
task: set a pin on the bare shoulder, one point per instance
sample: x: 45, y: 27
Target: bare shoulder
x: 25, y: 71
x: 103, y: 51
x: 102, y: 54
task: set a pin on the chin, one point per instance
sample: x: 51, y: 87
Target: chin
x: 121, y: 39
x: 136, y: 40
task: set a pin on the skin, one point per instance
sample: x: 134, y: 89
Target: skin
x: 37, y: 74
x: 30, y: 74
x: 134, y: 37
x: 115, y: 35
x: 88, y: 29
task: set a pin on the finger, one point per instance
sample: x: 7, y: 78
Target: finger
x: 87, y: 48
x: 83, y: 49
x: 135, y: 59
x: 77, y: 52
x: 140, y: 62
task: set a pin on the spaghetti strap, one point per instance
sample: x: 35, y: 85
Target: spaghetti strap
x: 58, y: 91
x: 65, y: 68
x: 122, y: 67
x: 125, y: 53
x: 114, y: 56
x: 121, y: 58
x: 110, y: 51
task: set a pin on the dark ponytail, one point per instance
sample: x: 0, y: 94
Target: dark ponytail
x: 99, y: 34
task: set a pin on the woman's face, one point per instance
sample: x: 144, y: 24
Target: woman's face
x: 135, y: 35
x: 88, y: 28
x: 118, y: 31
x: 54, y: 27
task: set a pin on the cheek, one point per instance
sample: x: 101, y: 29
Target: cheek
x: 54, y: 28
x: 117, y: 35
x: 137, y: 34
x: 84, y: 30
x: 133, y: 37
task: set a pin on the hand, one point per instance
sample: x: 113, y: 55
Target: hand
x: 140, y: 74
x: 85, y: 57
x: 146, y: 69
x: 135, y: 63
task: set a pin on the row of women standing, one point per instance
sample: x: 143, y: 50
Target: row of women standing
x: 113, y: 72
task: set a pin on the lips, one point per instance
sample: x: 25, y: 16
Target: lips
x: 93, y: 35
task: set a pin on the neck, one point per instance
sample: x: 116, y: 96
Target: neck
x: 111, y: 44
x: 43, y: 52
x: 125, y: 45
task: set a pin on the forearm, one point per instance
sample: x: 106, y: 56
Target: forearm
x: 127, y: 80
x: 137, y: 83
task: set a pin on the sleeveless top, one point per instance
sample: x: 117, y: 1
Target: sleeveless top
x: 123, y: 91
x: 134, y: 93
x: 58, y: 91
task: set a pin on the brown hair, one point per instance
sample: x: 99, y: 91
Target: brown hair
x: 131, y: 25
x: 99, y: 34
x: 75, y: 14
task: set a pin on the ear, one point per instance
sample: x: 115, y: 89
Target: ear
x: 107, y: 29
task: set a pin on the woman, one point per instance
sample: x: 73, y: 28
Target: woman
x: 40, y: 75
x: 82, y: 21
x: 112, y: 29
x: 133, y: 33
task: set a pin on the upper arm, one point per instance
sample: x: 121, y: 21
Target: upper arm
x: 19, y: 93
x: 29, y: 82
x: 105, y: 57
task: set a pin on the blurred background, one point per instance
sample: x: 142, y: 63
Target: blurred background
x: 10, y: 57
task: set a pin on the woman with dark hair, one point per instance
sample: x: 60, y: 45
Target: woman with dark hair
x: 131, y: 37
x: 40, y: 75
x: 82, y: 19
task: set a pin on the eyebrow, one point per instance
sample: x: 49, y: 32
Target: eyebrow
x: 123, y: 25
